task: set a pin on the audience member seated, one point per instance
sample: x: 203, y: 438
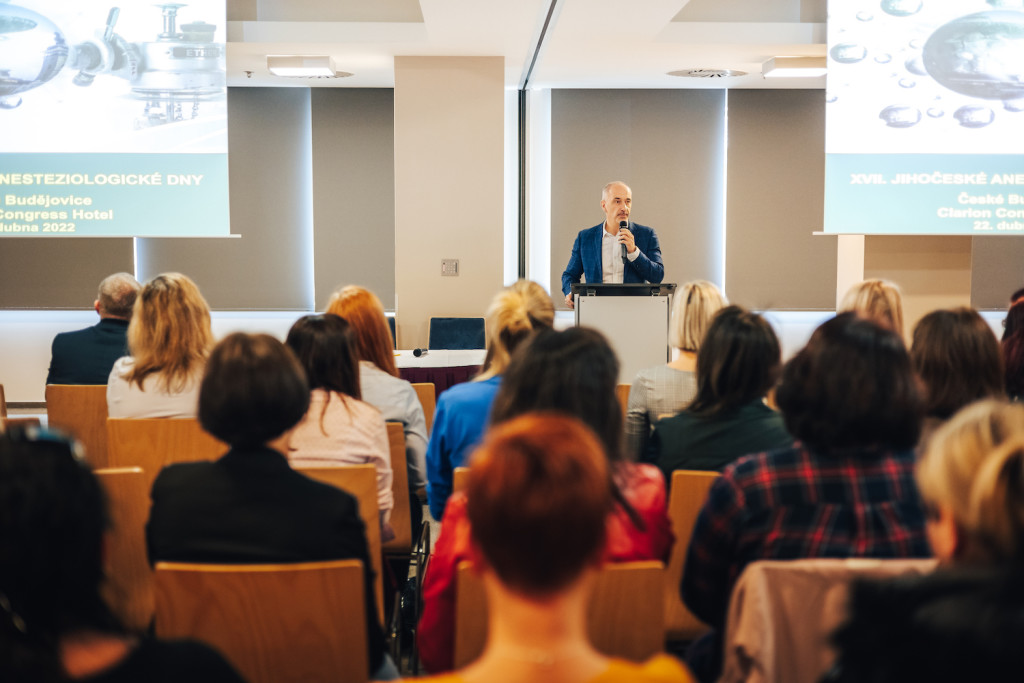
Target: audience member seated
x: 250, y: 506
x: 964, y: 622
x: 878, y: 300
x: 1012, y: 346
x: 667, y: 389
x: 537, y: 494
x: 169, y: 338
x: 737, y: 366
x: 338, y: 429
x: 378, y: 376
x: 572, y: 372
x: 54, y: 626
x: 462, y: 410
x: 86, y: 356
x: 846, y: 489
x: 956, y: 357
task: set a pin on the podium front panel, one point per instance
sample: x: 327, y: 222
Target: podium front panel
x: 636, y: 328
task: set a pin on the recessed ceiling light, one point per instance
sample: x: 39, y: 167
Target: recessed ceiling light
x: 707, y: 73
x: 301, y: 66
x: 794, y: 67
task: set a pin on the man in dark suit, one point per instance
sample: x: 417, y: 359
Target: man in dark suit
x: 86, y: 356
x: 597, y: 252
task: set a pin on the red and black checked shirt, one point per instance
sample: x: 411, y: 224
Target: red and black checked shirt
x: 793, y: 503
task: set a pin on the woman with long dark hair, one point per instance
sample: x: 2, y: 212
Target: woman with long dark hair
x: 54, y: 623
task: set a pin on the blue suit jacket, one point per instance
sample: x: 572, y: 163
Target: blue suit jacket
x: 586, y: 257
x: 86, y: 356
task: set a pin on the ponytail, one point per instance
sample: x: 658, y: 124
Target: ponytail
x: 996, y: 505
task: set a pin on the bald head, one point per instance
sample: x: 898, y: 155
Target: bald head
x: 116, y: 296
x: 610, y: 189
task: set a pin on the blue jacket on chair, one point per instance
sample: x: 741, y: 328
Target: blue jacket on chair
x: 586, y: 257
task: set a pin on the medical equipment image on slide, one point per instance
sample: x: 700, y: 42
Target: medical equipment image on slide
x: 904, y: 74
x: 76, y: 75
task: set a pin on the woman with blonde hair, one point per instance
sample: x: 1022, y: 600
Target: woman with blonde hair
x: 379, y: 382
x: 461, y: 416
x: 878, y: 300
x: 963, y: 621
x: 169, y: 339
x: 668, y: 389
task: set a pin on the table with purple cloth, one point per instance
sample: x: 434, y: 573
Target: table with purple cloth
x: 442, y: 367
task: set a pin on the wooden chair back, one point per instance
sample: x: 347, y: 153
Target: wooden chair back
x: 275, y: 623
x: 129, y: 585
x: 154, y: 443
x: 401, y: 514
x: 8, y: 422
x: 625, y: 618
x: 689, y: 491
x: 360, y: 481
x: 622, y: 393
x: 460, y: 477
x: 81, y: 410
x: 427, y: 394
x: 3, y: 403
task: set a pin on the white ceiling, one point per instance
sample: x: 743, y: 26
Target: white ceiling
x: 589, y: 43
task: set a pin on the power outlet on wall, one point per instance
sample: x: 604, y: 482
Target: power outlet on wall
x: 450, y: 267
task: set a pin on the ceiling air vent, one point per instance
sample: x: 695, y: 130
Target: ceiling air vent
x: 707, y: 73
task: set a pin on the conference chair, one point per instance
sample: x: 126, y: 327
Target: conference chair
x: 622, y: 393
x: 8, y: 422
x: 686, y: 498
x: 460, y: 477
x: 782, y: 612
x: 456, y: 333
x: 154, y: 443
x: 360, y: 481
x: 128, y: 589
x: 426, y: 393
x: 408, y: 546
x: 276, y: 623
x: 3, y: 402
x: 81, y: 410
x: 625, y: 618
x: 394, y: 336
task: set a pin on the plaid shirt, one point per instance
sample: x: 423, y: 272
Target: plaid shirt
x: 793, y: 503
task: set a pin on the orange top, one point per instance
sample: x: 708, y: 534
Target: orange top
x: 657, y: 669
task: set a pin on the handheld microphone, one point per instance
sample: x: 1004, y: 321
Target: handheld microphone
x: 624, y: 225
x: 419, y: 352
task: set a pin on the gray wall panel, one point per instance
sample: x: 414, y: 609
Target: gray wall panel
x: 776, y: 184
x: 668, y: 145
x: 354, y: 191
x: 41, y: 273
x: 997, y: 270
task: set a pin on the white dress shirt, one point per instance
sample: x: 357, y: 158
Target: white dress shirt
x: 612, y: 267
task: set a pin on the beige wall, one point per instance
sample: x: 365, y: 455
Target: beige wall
x: 449, y: 171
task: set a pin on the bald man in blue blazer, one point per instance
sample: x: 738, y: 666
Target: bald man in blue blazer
x: 597, y: 252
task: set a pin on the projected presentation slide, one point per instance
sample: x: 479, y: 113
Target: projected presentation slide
x: 113, y: 119
x: 925, y: 117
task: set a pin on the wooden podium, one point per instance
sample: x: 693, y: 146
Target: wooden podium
x: 634, y: 318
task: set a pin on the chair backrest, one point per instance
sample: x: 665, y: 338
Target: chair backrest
x: 625, y: 618
x: 129, y: 585
x: 3, y: 402
x: 782, y: 613
x: 81, y: 410
x: 426, y: 393
x: 689, y: 491
x: 274, y: 623
x: 391, y: 326
x: 8, y: 422
x: 154, y: 443
x: 460, y: 477
x: 456, y: 333
x: 360, y: 481
x: 401, y: 514
x: 622, y: 393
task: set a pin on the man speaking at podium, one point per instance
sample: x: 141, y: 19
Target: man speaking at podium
x: 617, y: 250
